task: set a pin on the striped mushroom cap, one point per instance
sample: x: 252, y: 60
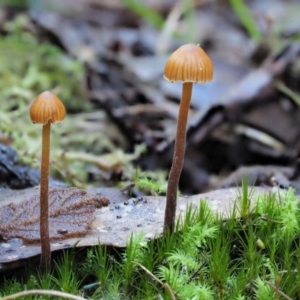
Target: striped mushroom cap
x: 47, y: 107
x: 189, y: 63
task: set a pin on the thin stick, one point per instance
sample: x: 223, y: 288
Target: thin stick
x: 196, y: 272
x: 44, y: 209
x: 43, y: 292
x: 165, y: 285
x: 277, y: 282
x: 278, y: 291
x: 178, y: 157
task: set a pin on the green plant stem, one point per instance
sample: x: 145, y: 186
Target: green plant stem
x: 178, y: 158
x: 44, y: 209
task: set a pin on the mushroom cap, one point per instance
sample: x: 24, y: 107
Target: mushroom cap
x: 47, y: 107
x: 189, y: 63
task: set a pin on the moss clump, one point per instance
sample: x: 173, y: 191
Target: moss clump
x: 29, y: 67
x: 251, y: 256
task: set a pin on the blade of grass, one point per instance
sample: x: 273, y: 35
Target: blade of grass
x: 287, y: 91
x: 245, y: 17
x: 148, y: 14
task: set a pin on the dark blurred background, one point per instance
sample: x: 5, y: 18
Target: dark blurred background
x: 105, y: 60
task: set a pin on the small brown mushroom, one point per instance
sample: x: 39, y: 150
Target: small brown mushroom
x: 46, y: 109
x: 188, y: 64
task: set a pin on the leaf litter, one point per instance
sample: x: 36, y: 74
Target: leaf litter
x: 109, y: 225
x: 71, y: 212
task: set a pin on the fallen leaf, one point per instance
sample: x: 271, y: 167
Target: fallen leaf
x: 113, y: 225
x: 71, y: 212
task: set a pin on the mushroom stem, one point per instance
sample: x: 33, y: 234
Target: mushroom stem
x: 178, y: 157
x: 44, y: 207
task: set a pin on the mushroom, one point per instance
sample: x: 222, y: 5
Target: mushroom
x: 188, y: 64
x: 46, y: 109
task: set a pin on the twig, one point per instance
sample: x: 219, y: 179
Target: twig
x: 43, y: 292
x: 128, y: 187
x: 278, y: 291
x: 277, y: 282
x: 165, y: 285
x: 195, y: 272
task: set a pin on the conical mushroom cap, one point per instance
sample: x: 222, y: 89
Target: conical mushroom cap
x: 189, y: 63
x: 47, y: 107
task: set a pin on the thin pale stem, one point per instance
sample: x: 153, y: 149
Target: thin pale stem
x: 44, y: 206
x: 165, y: 285
x: 178, y: 157
x: 43, y: 292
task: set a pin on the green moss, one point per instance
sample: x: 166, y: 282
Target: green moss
x: 206, y: 258
x: 29, y: 67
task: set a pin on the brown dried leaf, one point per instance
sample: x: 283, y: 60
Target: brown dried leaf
x: 71, y: 212
x: 115, y: 224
